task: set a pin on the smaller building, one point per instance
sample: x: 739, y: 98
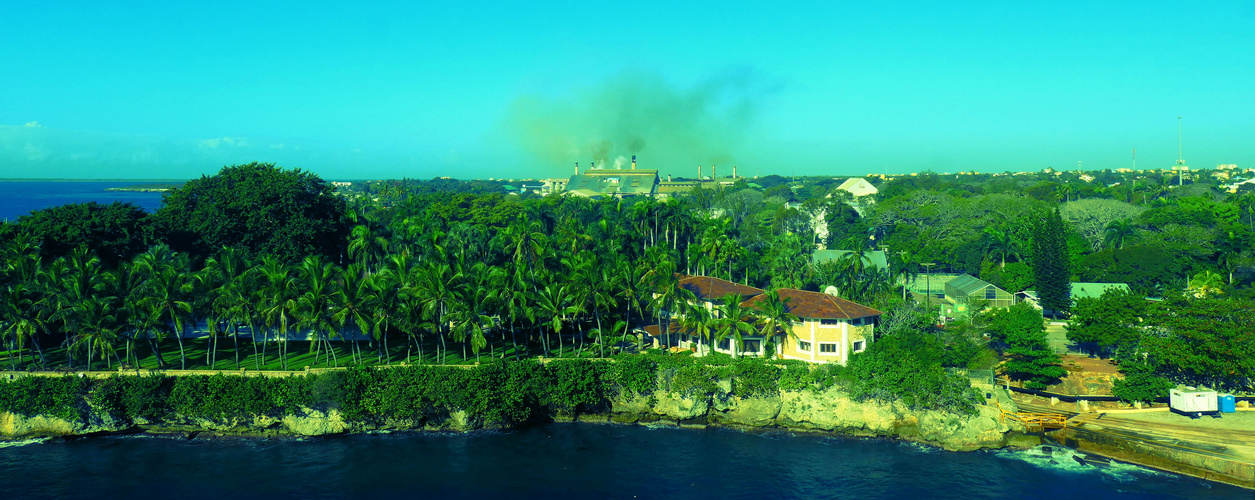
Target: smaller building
x: 1077, y: 291
x: 875, y: 259
x: 858, y: 187
x: 963, y: 291
x: 612, y: 182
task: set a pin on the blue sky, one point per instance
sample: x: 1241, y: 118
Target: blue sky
x: 353, y: 90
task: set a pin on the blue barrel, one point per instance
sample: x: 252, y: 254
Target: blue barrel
x: 1226, y: 403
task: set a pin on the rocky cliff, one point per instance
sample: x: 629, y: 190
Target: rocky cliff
x: 828, y: 411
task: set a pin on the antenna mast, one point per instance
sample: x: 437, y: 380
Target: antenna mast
x: 1180, y: 158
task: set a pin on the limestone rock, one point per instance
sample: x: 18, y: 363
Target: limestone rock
x: 15, y: 425
x: 315, y: 423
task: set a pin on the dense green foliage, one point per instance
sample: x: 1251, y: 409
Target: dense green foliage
x: 494, y: 394
x: 907, y: 367
x: 445, y: 271
x: 258, y: 207
x: 1020, y: 330
x: 115, y: 232
x: 1051, y: 267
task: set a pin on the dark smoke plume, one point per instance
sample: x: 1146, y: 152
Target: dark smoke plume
x: 639, y: 114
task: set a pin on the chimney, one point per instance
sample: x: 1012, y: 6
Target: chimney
x: 633, y: 162
x: 577, y: 168
x: 668, y: 177
x: 699, y: 173
x: 592, y: 164
x: 734, y: 172
x: 712, y: 173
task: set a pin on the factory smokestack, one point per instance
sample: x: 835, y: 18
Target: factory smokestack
x: 713, y: 176
x: 699, y: 172
x: 668, y: 177
x: 734, y: 172
x: 592, y: 164
x: 633, y: 162
x: 577, y: 168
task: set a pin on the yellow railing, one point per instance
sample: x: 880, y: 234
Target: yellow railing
x: 1036, y: 422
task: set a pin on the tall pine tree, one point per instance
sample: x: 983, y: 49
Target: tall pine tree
x: 1051, y: 267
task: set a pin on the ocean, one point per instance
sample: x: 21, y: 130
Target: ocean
x: 556, y: 461
x: 18, y: 198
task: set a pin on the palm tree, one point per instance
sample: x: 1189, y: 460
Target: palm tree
x: 554, y: 301
x: 1119, y: 232
x: 434, y: 289
x: 473, y: 306
x: 314, y: 308
x: 1000, y: 245
x: 165, y: 299
x: 97, y: 328
x: 699, y: 322
x: 732, y: 322
x: 276, y: 302
x: 355, y: 301
x: 21, y: 318
x: 774, y: 317
x: 367, y: 246
x: 1206, y: 284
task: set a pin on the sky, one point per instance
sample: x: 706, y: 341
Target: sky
x: 369, y: 90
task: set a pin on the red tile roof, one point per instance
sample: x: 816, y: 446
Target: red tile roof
x: 707, y: 288
x: 804, y: 304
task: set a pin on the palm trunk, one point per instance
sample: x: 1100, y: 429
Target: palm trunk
x: 161, y: 362
x: 182, y: 353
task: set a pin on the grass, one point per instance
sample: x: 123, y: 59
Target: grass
x: 299, y: 354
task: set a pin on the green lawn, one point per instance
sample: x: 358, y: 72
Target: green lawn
x: 299, y: 354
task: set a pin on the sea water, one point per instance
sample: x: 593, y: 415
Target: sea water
x: 18, y: 198
x: 569, y: 461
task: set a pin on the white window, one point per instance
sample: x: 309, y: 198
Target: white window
x: 803, y: 345
x: 752, y: 346
x: 827, y: 348
x: 859, y: 345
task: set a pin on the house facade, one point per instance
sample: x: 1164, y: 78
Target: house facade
x: 828, y: 330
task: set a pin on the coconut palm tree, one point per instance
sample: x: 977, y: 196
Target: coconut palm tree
x: 1119, y: 232
x: 354, y: 302
x: 435, y: 289
x: 474, y: 306
x: 277, y: 304
x: 367, y: 246
x: 97, y: 328
x: 554, y: 303
x: 166, y: 298
x: 314, y: 306
x: 21, y: 318
x: 732, y: 322
x: 1000, y: 245
x: 774, y: 317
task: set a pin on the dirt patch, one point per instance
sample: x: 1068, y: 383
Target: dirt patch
x: 1086, y: 364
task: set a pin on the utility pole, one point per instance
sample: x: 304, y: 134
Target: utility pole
x: 1180, y: 158
x: 928, y: 281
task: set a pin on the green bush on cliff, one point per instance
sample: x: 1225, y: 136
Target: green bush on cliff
x: 60, y: 397
x: 221, y: 397
x: 906, y: 367
x: 144, y: 397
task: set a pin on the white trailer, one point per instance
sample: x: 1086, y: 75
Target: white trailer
x: 1193, y: 402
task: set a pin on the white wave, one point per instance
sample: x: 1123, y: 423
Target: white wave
x: 1064, y: 459
x: 23, y: 442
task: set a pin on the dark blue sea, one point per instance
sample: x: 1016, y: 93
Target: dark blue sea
x: 569, y: 461
x: 18, y: 198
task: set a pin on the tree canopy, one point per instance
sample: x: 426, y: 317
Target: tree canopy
x: 258, y: 207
